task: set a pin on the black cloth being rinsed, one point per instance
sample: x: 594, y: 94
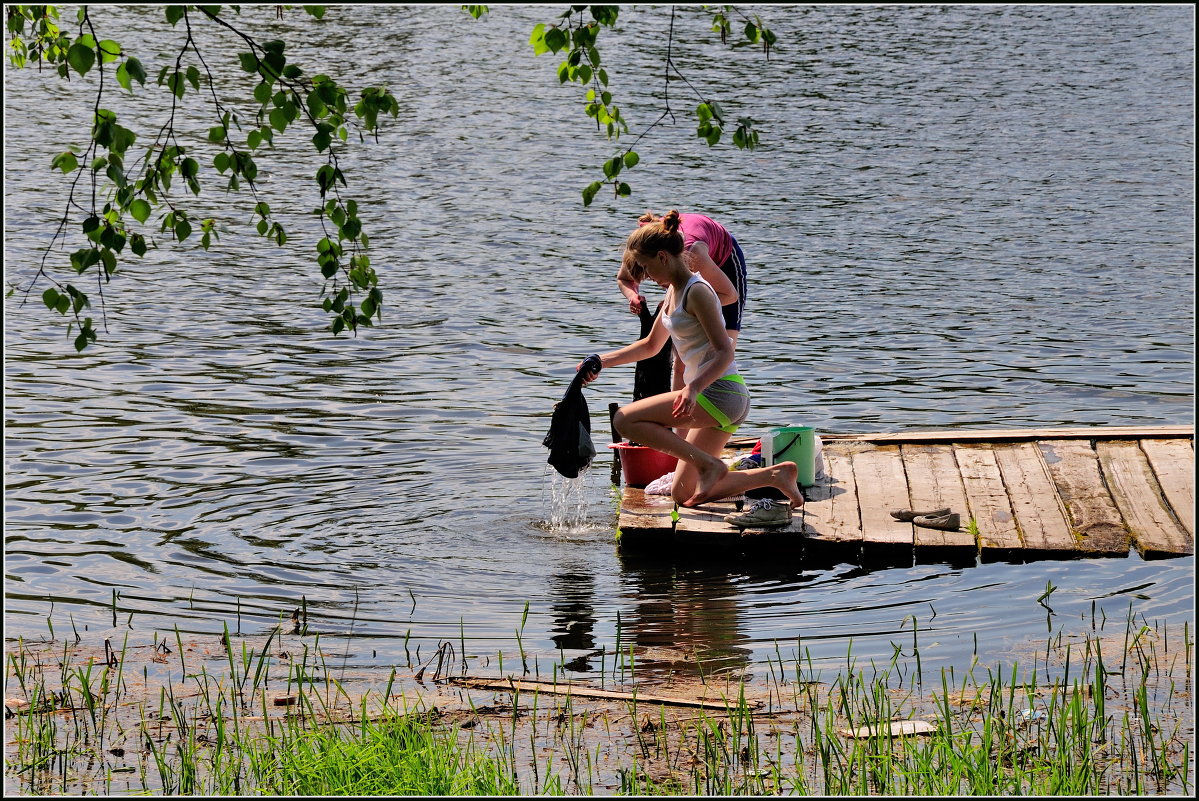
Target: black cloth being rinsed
x: 569, y: 437
x: 653, y: 374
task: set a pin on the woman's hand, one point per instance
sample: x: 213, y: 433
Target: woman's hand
x: 684, y: 402
x: 592, y: 364
x: 636, y: 303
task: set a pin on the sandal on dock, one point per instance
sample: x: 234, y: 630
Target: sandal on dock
x: 907, y: 515
x: 949, y: 522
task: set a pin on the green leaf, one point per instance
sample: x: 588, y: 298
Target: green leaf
x: 81, y: 58
x: 135, y: 69
x: 137, y: 243
x: 555, y: 39
x: 249, y: 62
x: 221, y: 161
x: 216, y: 134
x: 123, y: 78
x: 278, y: 118
x: 316, y: 11
x: 584, y: 74
x: 109, y: 51
x: 262, y: 92
x: 174, y: 14
x: 589, y: 192
x: 612, y: 167
x: 537, y: 39
x: 50, y: 298
x: 65, y: 162
x: 624, y: 190
x: 751, y: 32
x: 140, y: 210
x: 631, y: 158
x: 183, y: 229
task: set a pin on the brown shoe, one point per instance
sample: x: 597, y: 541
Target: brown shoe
x: 949, y: 522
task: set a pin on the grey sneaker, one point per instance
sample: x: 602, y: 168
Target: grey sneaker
x: 762, y: 513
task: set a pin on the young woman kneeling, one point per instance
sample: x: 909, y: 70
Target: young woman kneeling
x: 713, y: 401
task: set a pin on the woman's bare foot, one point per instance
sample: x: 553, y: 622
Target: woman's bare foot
x: 709, y: 476
x: 785, y: 477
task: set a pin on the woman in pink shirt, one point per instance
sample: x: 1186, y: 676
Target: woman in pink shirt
x: 712, y: 253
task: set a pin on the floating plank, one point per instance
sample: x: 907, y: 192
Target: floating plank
x: 934, y: 482
x: 1173, y: 463
x: 1020, y: 434
x: 987, y: 499
x: 1038, y: 510
x: 1074, y: 467
x: 582, y: 691
x: 1139, y: 498
x: 882, y: 487
x: 831, y: 515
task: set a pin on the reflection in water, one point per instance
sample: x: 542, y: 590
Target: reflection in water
x: 683, y: 620
x: 572, y: 610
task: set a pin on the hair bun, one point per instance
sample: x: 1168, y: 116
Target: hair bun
x: 672, y: 220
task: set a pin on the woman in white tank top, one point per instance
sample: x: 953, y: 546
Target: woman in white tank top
x: 713, y: 399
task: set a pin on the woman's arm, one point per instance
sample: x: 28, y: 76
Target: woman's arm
x: 701, y: 262
x: 705, y: 307
x: 630, y: 289
x: 643, y: 348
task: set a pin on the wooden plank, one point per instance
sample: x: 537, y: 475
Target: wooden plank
x: 831, y: 514
x: 1020, y: 434
x: 1074, y: 467
x: 644, y: 520
x: 987, y: 499
x: 1155, y: 532
x: 1173, y: 463
x: 1040, y: 515
x: 882, y: 487
x: 933, y: 483
x: 581, y: 691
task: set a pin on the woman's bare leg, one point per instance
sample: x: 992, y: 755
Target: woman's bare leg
x: 649, y: 421
x: 700, y: 475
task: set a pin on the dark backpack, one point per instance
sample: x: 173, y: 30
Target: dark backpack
x: 569, y: 437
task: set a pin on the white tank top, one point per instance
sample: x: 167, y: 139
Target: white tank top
x: 690, y: 339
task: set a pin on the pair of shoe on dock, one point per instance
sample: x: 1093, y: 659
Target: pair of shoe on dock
x: 942, y: 519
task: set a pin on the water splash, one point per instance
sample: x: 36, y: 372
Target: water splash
x: 568, y: 503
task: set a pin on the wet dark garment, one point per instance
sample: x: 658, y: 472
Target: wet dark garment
x: 653, y: 374
x: 569, y: 437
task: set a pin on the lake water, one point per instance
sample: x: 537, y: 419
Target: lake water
x: 975, y: 217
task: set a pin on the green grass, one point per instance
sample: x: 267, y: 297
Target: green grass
x: 1112, y: 717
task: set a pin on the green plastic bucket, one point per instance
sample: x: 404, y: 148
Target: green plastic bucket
x: 797, y: 444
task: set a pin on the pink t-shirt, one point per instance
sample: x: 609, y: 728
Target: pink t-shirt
x: 698, y: 228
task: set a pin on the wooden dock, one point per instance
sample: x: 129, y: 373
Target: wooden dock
x: 1031, y: 494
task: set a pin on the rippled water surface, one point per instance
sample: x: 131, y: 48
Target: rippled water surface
x: 972, y: 217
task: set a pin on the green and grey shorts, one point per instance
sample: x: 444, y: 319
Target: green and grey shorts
x: 727, y: 400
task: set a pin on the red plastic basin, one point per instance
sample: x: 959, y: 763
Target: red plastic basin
x: 641, y: 464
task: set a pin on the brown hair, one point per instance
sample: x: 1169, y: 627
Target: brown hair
x: 652, y: 236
